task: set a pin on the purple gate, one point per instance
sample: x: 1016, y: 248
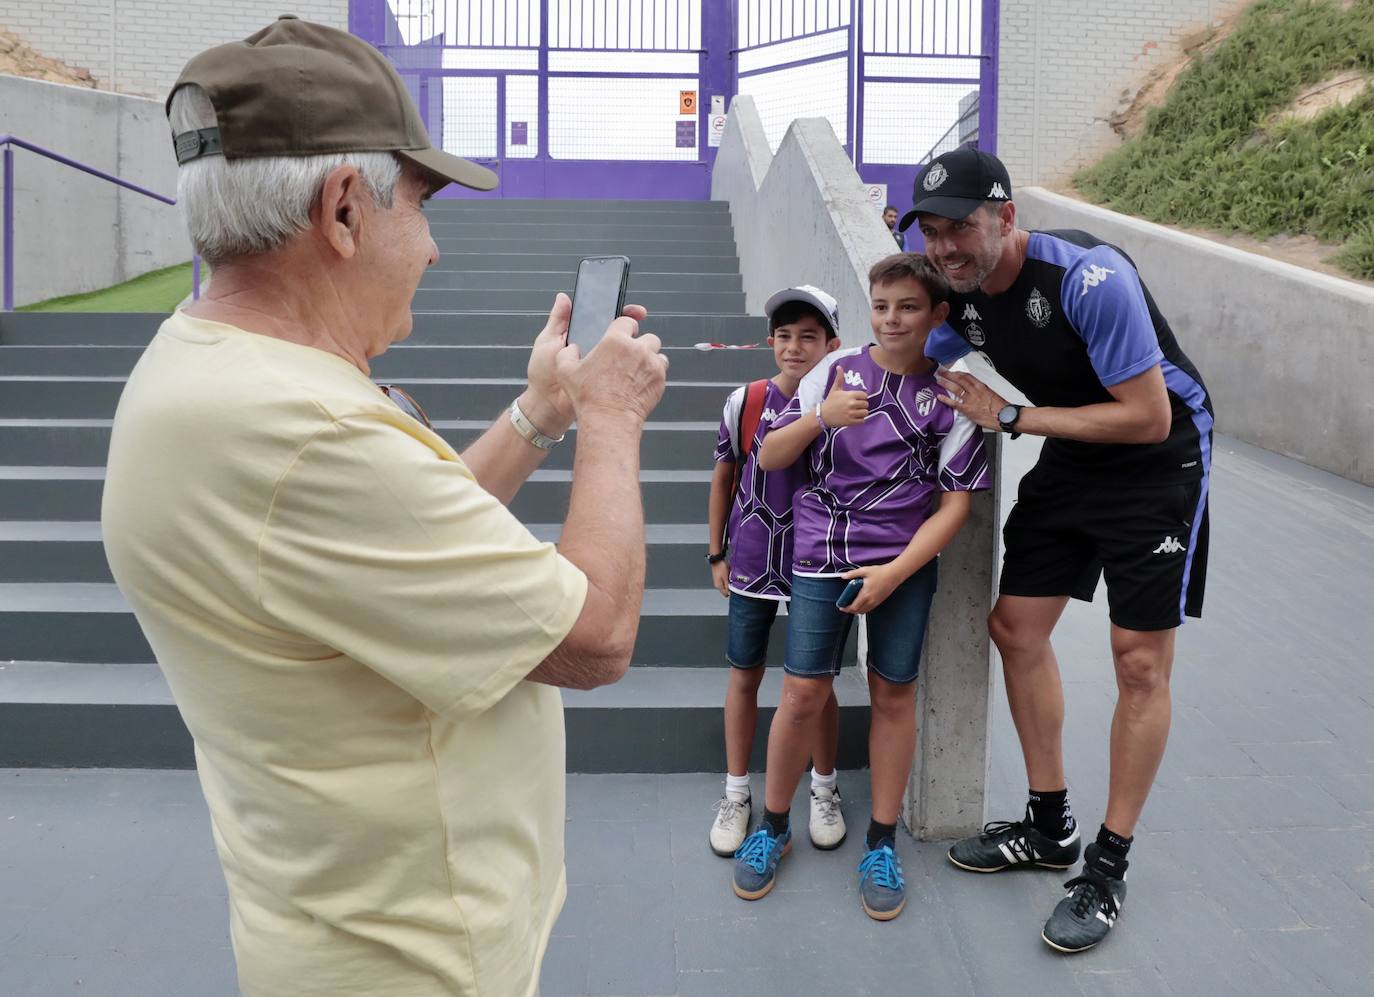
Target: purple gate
x: 626, y: 98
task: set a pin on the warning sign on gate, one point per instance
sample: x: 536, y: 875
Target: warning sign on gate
x: 877, y: 194
x: 687, y: 102
x: 716, y: 130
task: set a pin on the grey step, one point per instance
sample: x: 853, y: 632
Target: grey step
x: 403, y: 360
x: 495, y: 206
x: 552, y: 281
x: 72, y: 552
x: 653, y: 720
x: 583, y: 224
x: 667, y: 261
x: 27, y: 397
x: 627, y: 216
x: 667, y: 446
x: 661, y: 243
x: 90, y: 622
x: 430, y: 299
x: 475, y: 329
x: 63, y: 493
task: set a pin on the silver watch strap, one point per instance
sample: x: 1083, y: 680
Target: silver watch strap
x: 527, y: 429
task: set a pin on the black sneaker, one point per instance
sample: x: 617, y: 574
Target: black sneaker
x: 1005, y: 844
x: 1088, y: 912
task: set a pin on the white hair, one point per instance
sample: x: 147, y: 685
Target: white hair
x: 243, y: 207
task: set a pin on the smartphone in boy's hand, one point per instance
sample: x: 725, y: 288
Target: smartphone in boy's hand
x: 598, y: 299
x: 850, y: 593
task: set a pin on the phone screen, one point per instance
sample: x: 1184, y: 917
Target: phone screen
x: 598, y: 299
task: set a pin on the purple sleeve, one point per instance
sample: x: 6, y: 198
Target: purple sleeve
x: 1104, y: 301
x: 725, y: 448
x: 963, y: 458
x: 788, y: 415
x: 945, y: 346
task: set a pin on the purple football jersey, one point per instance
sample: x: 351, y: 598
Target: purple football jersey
x: 760, y: 525
x: 873, y: 485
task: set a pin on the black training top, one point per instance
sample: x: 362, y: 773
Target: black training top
x: 1076, y: 321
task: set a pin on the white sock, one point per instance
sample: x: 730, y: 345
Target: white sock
x: 819, y: 781
x: 737, y: 787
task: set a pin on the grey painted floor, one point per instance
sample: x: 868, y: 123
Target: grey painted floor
x: 1253, y: 871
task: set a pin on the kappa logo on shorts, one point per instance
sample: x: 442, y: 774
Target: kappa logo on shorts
x: 1093, y: 276
x: 853, y: 379
x: 1170, y: 546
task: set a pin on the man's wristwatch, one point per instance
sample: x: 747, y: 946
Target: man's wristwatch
x: 714, y: 558
x: 1007, y: 418
x: 527, y: 429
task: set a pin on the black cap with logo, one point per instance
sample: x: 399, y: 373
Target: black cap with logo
x: 952, y: 185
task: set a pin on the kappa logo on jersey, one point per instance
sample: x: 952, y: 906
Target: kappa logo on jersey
x: 769, y: 415
x: 970, y: 314
x: 853, y: 379
x: 1038, y: 309
x: 974, y: 332
x: 1093, y: 276
x: 936, y: 178
x: 1170, y: 546
x: 925, y: 401
x: 997, y: 191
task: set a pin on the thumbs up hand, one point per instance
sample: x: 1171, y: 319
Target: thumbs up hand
x: 843, y: 407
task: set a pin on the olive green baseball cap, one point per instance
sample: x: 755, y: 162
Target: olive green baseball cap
x: 302, y: 89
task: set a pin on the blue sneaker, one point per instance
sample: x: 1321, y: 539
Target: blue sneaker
x: 756, y: 862
x: 881, y: 887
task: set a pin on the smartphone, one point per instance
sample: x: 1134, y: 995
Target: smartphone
x: 598, y: 299
x: 850, y: 593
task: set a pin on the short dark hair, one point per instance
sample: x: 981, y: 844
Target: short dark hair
x: 890, y: 207
x: 910, y: 266
x: 794, y: 311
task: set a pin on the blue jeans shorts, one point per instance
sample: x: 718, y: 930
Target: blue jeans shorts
x: 817, y: 630
x: 751, y: 617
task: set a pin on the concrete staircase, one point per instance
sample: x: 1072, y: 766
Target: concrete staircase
x: 77, y: 683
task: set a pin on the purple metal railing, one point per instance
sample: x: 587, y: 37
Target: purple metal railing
x: 8, y: 142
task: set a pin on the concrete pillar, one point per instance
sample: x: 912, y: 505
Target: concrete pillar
x: 947, y: 794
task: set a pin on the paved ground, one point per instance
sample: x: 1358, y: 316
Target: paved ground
x: 1253, y: 871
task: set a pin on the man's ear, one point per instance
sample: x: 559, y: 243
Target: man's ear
x: 339, y: 210
x: 1008, y: 217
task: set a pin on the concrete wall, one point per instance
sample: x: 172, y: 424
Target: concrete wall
x: 1287, y: 353
x: 1068, y: 65
x: 802, y: 217
x: 139, y: 47
x: 74, y: 232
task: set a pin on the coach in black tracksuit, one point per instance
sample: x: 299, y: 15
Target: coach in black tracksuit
x: 1120, y: 490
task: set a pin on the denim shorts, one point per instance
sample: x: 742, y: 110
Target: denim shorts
x: 751, y: 617
x: 817, y: 630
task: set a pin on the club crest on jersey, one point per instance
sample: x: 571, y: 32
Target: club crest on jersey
x: 971, y: 314
x: 935, y: 177
x: 1094, y: 275
x: 1038, y: 309
x: 973, y: 332
x: 925, y: 401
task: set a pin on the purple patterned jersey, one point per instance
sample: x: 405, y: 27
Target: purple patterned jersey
x: 760, y: 525
x: 873, y: 485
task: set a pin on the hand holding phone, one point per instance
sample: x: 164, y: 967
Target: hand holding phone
x: 598, y: 299
x: 850, y: 593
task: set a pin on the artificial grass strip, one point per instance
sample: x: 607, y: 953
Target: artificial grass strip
x: 158, y: 291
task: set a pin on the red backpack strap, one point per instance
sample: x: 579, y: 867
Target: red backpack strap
x: 749, y: 415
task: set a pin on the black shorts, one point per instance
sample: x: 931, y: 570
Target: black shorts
x: 1150, y: 542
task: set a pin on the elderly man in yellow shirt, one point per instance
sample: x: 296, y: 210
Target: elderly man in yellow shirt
x: 363, y: 641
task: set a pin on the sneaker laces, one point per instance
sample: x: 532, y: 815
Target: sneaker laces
x: 728, y: 809
x: 882, y: 866
x: 756, y: 850
x: 828, y: 807
x: 1089, y: 891
x: 1008, y: 828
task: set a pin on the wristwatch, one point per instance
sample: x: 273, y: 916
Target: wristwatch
x: 527, y: 429
x: 1007, y: 418
x: 715, y: 558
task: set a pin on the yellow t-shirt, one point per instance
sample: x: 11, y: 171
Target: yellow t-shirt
x: 346, y: 619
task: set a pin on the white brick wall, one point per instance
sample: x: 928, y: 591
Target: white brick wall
x: 1068, y: 65
x: 139, y: 46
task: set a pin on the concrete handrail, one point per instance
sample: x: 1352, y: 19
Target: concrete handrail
x: 802, y: 216
x: 7, y: 209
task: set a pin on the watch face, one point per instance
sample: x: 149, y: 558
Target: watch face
x: 1008, y: 415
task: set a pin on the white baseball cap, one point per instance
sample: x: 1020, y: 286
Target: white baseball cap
x: 813, y: 296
